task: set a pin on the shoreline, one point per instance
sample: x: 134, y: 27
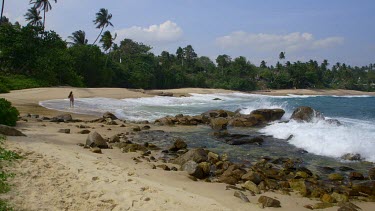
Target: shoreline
x: 77, y: 179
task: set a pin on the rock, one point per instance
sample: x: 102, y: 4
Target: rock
x: 198, y: 155
x: 215, y: 114
x: 166, y: 94
x: 109, y: 115
x: 367, y: 187
x: 219, y: 123
x: 10, y: 131
x: 347, y: 206
x: 356, y: 176
x: 64, y: 131
x: 322, y: 206
x: 300, y: 186
x: 371, y: 173
x: 269, y: 114
x: 136, y: 129
x: 96, y: 150
x: 193, y: 169
x: 114, y: 139
x: 213, y: 157
x: 326, y: 169
x: 164, y: 167
x: 249, y: 185
x: 333, y: 122
x: 252, y: 176
x: 232, y: 174
x: 146, y: 127
x: 335, y: 177
x: 301, y: 174
x: 177, y: 145
x: 306, y: 114
x: 245, y: 140
x: 340, y: 197
x: 245, y: 121
x: 206, y: 167
x: 345, y: 168
x: 266, y: 201
x: 62, y: 118
x: 109, y: 121
x: 94, y: 139
x: 351, y: 157
x: 84, y: 132
x: 242, y: 196
x: 216, y: 98
x: 326, y: 198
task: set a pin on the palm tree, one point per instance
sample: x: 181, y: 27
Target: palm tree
x: 102, y: 19
x: 33, y: 17
x: 44, y: 5
x: 107, y: 40
x: 2, y: 11
x: 78, y: 38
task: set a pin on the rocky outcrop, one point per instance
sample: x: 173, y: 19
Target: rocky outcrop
x: 107, y: 115
x: 197, y: 155
x: 178, y: 145
x: 62, y: 118
x: 193, y: 169
x: 94, y: 139
x: 306, y: 114
x: 10, y: 131
x: 219, y: 123
x: 266, y: 201
x: 268, y: 115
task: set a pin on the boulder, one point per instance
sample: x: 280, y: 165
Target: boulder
x: 232, y: 174
x: 193, y: 169
x: 177, y: 145
x: 84, y: 132
x: 96, y: 150
x: 340, y: 197
x: 219, y: 123
x: 242, y: 196
x: 67, y: 131
x: 94, y: 139
x: 109, y: 115
x: 252, y: 176
x: 136, y: 128
x: 269, y: 114
x: 206, y: 167
x: 326, y: 198
x: 109, y: 121
x: 300, y: 186
x: 62, y: 118
x: 213, y: 157
x: 10, y: 131
x: 306, y: 114
x: 244, y: 140
x: 166, y: 121
x: 335, y: 177
x: 266, y: 201
x: 114, y: 139
x: 249, y: 185
x: 197, y: 155
x: 217, y: 113
x: 367, y: 187
x: 356, y: 176
x: 245, y: 121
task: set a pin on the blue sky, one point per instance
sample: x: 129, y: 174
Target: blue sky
x: 337, y: 30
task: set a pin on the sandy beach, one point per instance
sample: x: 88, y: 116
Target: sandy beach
x: 57, y: 174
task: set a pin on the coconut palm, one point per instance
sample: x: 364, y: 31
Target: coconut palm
x: 107, y: 40
x: 44, y: 5
x: 102, y: 20
x: 78, y: 38
x: 2, y: 11
x: 33, y: 17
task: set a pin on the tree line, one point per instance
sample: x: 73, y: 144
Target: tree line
x: 35, y: 53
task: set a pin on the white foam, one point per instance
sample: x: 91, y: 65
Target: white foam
x: 322, y: 138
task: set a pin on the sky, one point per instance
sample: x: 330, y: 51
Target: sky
x: 337, y: 30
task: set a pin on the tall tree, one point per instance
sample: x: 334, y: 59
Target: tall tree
x: 78, y: 38
x: 44, y: 5
x: 33, y: 17
x: 2, y: 11
x: 102, y: 20
x: 282, y: 55
x: 107, y: 40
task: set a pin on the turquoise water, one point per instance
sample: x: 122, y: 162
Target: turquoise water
x: 325, y: 143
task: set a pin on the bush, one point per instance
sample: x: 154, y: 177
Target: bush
x: 3, y: 88
x: 8, y: 113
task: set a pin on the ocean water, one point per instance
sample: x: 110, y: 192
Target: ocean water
x: 324, y: 142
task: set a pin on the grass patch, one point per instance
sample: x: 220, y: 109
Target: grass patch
x: 5, y: 155
x: 16, y: 82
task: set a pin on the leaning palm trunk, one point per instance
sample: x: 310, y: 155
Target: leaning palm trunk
x: 2, y: 11
x: 99, y: 35
x: 44, y: 19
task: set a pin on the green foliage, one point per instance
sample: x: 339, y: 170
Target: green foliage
x: 8, y: 113
x: 16, y: 82
x: 3, y: 88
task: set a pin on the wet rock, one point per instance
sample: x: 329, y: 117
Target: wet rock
x: 84, y: 132
x: 351, y: 157
x: 206, y: 167
x: 94, y: 139
x: 198, y: 155
x: 219, y: 123
x: 269, y: 114
x: 242, y: 196
x: 177, y: 145
x: 252, y: 176
x: 232, y: 174
x: 193, y: 169
x: 96, y: 150
x: 306, y: 114
x: 335, y: 177
x: 10, y: 131
x: 109, y: 115
x: 245, y: 140
x: 266, y: 201
x: 62, y: 118
x: 244, y: 121
x: 146, y: 127
x: 333, y: 122
x: 136, y: 129
x: 216, y: 113
x: 371, y: 174
x: 326, y: 198
x: 67, y: 131
x: 340, y: 197
x: 216, y: 98
x: 356, y: 176
x: 249, y: 185
x: 367, y: 187
x: 114, y: 139
x: 301, y: 174
x: 213, y: 157
x: 345, y: 168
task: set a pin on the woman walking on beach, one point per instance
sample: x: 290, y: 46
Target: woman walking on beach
x: 71, y: 98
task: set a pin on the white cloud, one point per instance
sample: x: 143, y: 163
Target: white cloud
x: 295, y: 41
x: 166, y: 32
